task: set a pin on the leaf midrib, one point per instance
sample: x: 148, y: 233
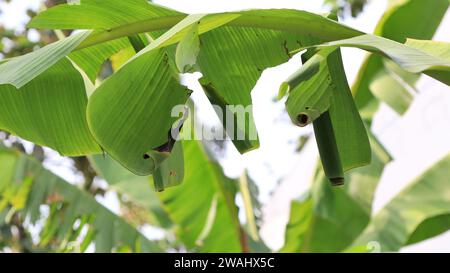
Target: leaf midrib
x: 244, y: 20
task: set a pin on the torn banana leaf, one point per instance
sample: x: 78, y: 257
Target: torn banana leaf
x: 50, y: 110
x: 274, y: 48
x: 239, y: 126
x: 151, y: 16
x: 231, y: 60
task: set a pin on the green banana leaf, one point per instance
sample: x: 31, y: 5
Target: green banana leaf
x: 90, y: 59
x: 231, y: 60
x: 116, y: 100
x: 308, y: 89
x: 31, y: 186
x: 298, y: 227
x: 203, y: 206
x: 122, y: 24
x: 436, y: 49
x: 319, y: 86
x: 400, y: 21
x: 171, y: 171
x: 408, y: 57
x: 329, y: 219
x: 21, y: 70
x: 213, y: 227
x: 130, y: 113
x: 351, y: 136
x: 389, y: 89
x: 440, y: 50
x: 95, y: 14
x: 50, y: 111
x: 98, y: 14
x: 136, y: 188
x: 115, y: 23
x: 156, y: 17
x: 419, y: 212
x: 187, y: 50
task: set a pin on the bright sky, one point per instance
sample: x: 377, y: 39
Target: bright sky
x: 416, y: 140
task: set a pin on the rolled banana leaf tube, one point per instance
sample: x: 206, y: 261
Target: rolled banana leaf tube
x: 328, y: 150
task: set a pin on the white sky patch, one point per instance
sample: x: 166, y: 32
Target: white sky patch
x: 13, y: 15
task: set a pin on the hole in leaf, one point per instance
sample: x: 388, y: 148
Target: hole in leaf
x: 303, y: 119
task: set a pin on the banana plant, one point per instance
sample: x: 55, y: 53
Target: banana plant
x: 56, y: 97
x: 127, y: 115
x: 339, y: 219
x: 333, y: 220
